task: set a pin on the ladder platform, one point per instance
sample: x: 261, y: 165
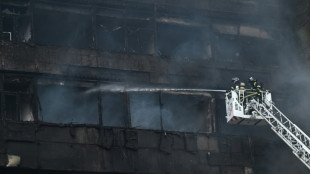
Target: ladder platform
x: 256, y: 109
x: 239, y: 112
x: 247, y: 120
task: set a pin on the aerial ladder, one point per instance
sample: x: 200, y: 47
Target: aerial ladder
x: 254, y: 110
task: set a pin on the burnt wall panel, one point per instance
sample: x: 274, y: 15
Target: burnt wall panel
x: 190, y: 142
x: 236, y: 145
x: 84, y: 149
x: 27, y: 152
x: 56, y: 156
x: 83, y: 135
x: 232, y: 170
x: 3, y: 159
x: 202, y: 142
x: 54, y: 134
x: 178, y: 141
x: 76, y: 135
x: 183, y: 161
x: 2, y: 144
x: 87, y: 158
x: 166, y: 163
x: 148, y: 161
x: 21, y: 132
x: 148, y: 139
x: 213, y: 144
x: 123, y: 160
x: 240, y: 159
x: 166, y: 142
x: 56, y: 60
x: 219, y: 158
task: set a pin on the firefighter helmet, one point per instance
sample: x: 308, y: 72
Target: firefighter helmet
x: 235, y: 79
x: 251, y: 79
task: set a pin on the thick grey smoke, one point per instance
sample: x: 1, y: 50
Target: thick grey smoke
x: 269, y: 40
x: 60, y: 104
x: 263, y: 36
x: 290, y: 82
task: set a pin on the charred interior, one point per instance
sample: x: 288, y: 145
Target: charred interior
x: 53, y: 54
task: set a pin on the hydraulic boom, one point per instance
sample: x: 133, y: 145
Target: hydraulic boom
x: 292, y: 135
x: 244, y: 108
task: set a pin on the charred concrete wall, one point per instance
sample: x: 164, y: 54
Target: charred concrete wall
x: 53, y: 51
x: 94, y: 149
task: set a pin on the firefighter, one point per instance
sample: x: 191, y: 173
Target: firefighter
x: 259, y: 90
x: 236, y: 82
x: 253, y: 83
x: 254, y: 90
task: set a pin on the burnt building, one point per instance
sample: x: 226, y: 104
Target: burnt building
x: 55, y: 55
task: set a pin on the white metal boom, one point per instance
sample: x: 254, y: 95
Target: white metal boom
x: 292, y: 135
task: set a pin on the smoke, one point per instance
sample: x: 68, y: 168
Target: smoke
x: 278, y: 159
x: 175, y: 109
x: 114, y: 110
x: 145, y: 111
x: 262, y: 37
x: 265, y: 37
x: 62, y: 104
x: 290, y: 82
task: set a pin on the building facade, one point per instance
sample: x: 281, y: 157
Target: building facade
x: 57, y: 54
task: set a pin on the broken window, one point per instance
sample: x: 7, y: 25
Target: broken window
x: 14, y: 9
x: 189, y: 113
x: 110, y: 34
x: 143, y: 11
x: 10, y: 110
x: 7, y: 28
x: 140, y: 36
x: 16, y: 24
x: 114, y: 110
x: 227, y: 48
x: 258, y: 51
x: 64, y: 104
x: 18, y: 107
x: 19, y: 102
x: 26, y: 107
x: 62, y: 29
x: 145, y: 111
x: 24, y: 29
x: 183, y: 42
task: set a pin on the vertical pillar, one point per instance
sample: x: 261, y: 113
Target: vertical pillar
x: 18, y: 114
x: 100, y: 108
x: 125, y: 27
x: 35, y: 100
x: 94, y: 30
x: 1, y: 25
x: 31, y: 9
x: 155, y: 29
x: 213, y: 114
x: 2, y: 100
x: 127, y: 105
x: 161, y: 111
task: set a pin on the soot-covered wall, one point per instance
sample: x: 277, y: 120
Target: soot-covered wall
x: 53, y: 51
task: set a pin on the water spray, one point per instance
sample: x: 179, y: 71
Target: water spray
x: 126, y: 88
